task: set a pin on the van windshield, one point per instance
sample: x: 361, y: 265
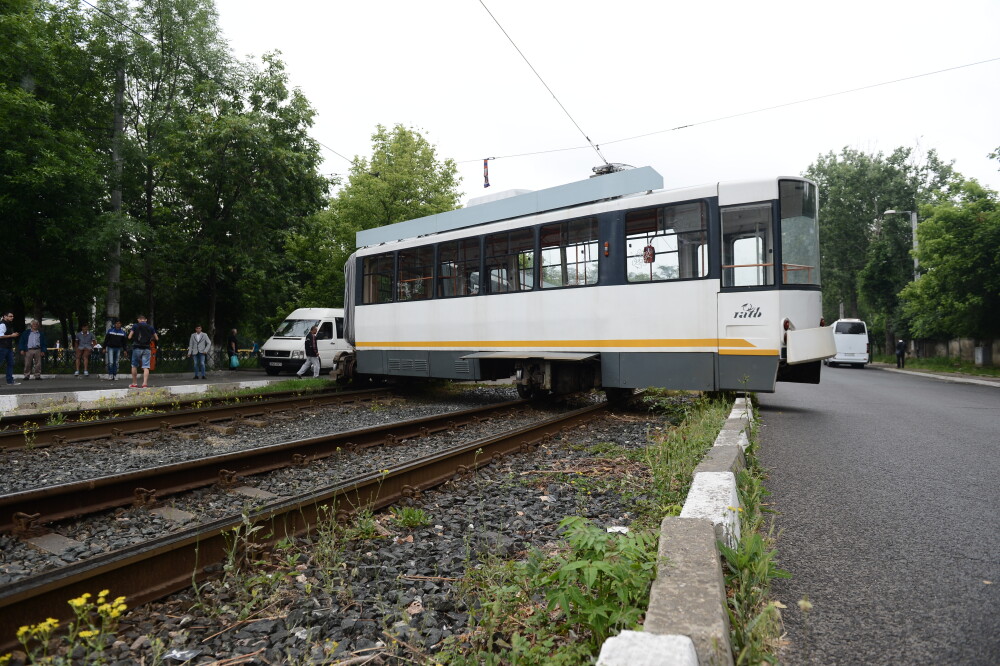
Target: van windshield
x: 295, y: 328
x: 850, y: 328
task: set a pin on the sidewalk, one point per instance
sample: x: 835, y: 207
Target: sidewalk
x: 71, y: 392
x: 957, y: 377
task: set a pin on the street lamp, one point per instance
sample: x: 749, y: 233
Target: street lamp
x: 913, y: 225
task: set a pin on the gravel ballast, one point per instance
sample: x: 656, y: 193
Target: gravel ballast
x: 402, y: 584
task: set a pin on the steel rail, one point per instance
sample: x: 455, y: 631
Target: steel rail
x: 153, y: 570
x: 24, y: 512
x: 83, y: 431
x: 18, y: 421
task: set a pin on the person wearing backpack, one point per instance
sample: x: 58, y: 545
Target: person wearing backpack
x: 142, y: 334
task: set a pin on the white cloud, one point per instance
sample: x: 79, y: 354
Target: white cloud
x: 627, y: 68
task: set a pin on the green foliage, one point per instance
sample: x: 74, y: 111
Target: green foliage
x: 864, y: 253
x: 958, y: 293
x: 673, y: 454
x: 755, y: 621
x: 602, y: 583
x: 51, y: 163
x: 363, y: 526
x: 749, y: 569
x: 942, y: 364
x: 82, y: 641
x: 403, y: 180
x: 408, y: 516
x: 598, y: 587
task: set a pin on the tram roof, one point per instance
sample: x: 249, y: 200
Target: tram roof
x: 598, y: 188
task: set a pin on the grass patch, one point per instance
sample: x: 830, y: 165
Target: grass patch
x: 941, y: 364
x: 557, y: 607
x: 748, y: 569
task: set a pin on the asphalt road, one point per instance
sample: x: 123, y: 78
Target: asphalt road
x: 887, y: 488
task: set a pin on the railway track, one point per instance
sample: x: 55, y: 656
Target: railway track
x: 25, y: 512
x: 155, y: 569
x: 21, y: 432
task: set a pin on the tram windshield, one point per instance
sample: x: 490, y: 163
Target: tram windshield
x: 799, y: 233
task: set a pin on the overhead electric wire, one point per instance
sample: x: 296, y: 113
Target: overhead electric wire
x: 748, y: 113
x: 561, y: 106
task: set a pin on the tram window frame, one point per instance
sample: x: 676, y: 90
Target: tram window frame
x: 503, y: 251
x: 377, y: 278
x: 458, y: 267
x: 668, y: 230
x: 414, y: 273
x: 565, y: 246
x: 736, y: 229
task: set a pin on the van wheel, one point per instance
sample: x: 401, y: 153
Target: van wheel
x: 272, y: 371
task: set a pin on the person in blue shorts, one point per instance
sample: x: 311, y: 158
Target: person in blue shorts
x: 142, y: 334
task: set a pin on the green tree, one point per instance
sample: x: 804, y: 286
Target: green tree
x: 958, y: 291
x: 51, y: 162
x: 864, y: 254
x: 403, y: 180
x: 171, y: 52
x: 242, y: 176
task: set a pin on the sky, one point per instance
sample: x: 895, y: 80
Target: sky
x: 734, y: 72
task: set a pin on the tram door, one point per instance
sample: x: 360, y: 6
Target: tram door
x: 747, y: 304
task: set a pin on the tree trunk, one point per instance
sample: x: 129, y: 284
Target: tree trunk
x: 113, y: 304
x: 212, y: 301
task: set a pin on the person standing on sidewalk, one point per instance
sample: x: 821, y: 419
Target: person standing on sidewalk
x: 7, y: 337
x: 900, y: 354
x: 143, y: 334
x: 312, y: 355
x: 32, y: 346
x: 83, y: 342
x: 114, y: 343
x: 198, y: 347
x: 232, y: 347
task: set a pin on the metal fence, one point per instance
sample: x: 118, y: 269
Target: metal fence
x: 63, y: 361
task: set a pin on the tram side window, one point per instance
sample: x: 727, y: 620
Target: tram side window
x: 668, y: 243
x: 569, y: 253
x: 377, y: 279
x: 458, y: 268
x: 416, y: 266
x: 747, y: 247
x: 510, y: 261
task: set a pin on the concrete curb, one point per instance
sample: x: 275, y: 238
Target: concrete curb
x: 688, y: 597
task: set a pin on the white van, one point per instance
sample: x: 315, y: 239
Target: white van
x: 851, y: 338
x: 286, y: 349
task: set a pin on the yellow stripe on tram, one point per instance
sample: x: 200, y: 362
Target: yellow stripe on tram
x: 744, y: 346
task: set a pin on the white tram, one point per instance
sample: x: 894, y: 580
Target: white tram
x: 604, y: 283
